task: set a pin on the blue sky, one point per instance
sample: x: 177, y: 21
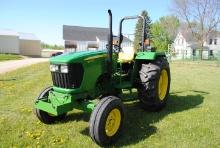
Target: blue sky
x: 45, y: 18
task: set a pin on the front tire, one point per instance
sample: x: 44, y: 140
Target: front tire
x: 155, y: 84
x: 106, y: 120
x: 44, y: 116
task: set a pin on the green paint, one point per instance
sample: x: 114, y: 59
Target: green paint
x: 46, y: 106
x: 124, y: 84
x: 56, y: 103
x: 148, y: 55
x: 59, y: 103
x: 95, y: 65
x: 86, y: 106
x: 75, y: 57
x: 67, y: 91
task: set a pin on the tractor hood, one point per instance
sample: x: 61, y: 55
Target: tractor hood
x: 77, y: 56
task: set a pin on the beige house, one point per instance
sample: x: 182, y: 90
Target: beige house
x: 29, y: 44
x: 19, y: 43
x: 9, y: 42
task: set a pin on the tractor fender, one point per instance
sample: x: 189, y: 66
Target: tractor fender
x: 149, y: 55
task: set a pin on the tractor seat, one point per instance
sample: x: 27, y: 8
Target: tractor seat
x: 126, y: 55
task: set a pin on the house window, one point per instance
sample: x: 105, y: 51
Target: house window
x: 177, y: 51
x: 210, y: 41
x: 215, y: 41
x: 211, y: 53
x: 194, y: 52
x: 182, y: 41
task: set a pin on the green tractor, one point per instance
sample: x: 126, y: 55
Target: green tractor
x: 82, y: 78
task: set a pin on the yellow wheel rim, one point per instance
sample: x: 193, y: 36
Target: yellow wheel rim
x: 163, y: 84
x: 113, y: 122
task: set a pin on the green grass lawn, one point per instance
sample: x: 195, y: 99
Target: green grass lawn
x: 6, y: 57
x: 190, y: 119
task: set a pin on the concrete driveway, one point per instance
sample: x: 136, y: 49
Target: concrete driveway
x: 7, y: 66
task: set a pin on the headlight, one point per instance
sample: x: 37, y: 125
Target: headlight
x: 54, y: 68
x: 64, y: 69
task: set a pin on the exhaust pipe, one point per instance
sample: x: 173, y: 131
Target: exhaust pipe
x: 143, y: 29
x: 110, y: 40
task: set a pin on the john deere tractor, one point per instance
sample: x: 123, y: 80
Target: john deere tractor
x: 82, y: 78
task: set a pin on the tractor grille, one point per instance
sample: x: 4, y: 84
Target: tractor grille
x: 69, y: 80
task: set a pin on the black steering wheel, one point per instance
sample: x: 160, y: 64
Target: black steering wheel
x: 116, y: 48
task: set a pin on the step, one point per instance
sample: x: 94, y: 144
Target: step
x: 124, y: 84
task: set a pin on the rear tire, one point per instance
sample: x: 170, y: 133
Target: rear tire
x: 155, y: 84
x: 106, y: 120
x: 44, y: 116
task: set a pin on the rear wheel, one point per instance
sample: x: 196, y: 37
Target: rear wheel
x: 155, y: 84
x: 106, y: 120
x: 44, y: 116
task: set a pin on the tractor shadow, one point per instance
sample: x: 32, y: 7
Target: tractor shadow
x: 6, y: 80
x: 138, y: 123
x: 80, y: 116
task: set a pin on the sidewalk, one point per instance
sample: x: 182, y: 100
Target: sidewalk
x: 7, y: 66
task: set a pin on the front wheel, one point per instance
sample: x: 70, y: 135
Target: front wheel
x: 155, y: 84
x: 106, y: 120
x: 44, y: 116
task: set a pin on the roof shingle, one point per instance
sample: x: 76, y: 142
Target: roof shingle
x: 79, y: 33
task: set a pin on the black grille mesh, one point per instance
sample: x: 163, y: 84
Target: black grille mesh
x: 69, y: 80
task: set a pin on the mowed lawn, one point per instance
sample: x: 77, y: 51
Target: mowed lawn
x: 6, y: 57
x: 190, y: 119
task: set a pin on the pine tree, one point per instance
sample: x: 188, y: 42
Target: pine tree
x: 139, y: 28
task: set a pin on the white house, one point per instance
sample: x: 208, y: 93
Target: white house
x: 19, y: 43
x: 78, y: 38
x: 213, y: 43
x: 184, y: 46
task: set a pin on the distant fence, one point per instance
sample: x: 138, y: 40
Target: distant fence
x: 213, y: 60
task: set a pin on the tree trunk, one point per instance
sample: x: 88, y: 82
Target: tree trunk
x: 201, y: 50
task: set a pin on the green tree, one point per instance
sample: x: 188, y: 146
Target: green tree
x: 171, y: 24
x: 48, y: 46
x: 205, y: 14
x: 139, y: 28
x: 164, y: 31
x: 160, y: 38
